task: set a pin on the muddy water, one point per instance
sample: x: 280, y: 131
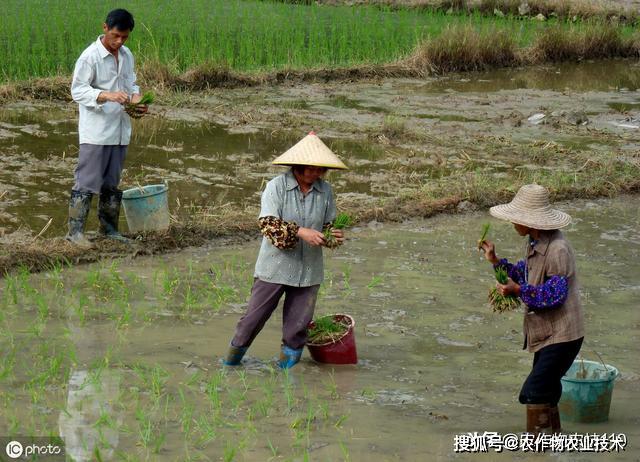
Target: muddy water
x: 394, y: 134
x: 589, y: 76
x: 434, y: 361
x: 201, y: 161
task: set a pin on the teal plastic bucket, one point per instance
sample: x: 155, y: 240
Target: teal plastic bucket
x: 146, y: 208
x: 587, y: 388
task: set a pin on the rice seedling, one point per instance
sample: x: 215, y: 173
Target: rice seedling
x: 80, y: 309
x: 145, y: 428
x: 485, y: 231
x: 272, y: 448
x: 332, y: 386
x: 7, y: 365
x: 327, y: 329
x: 346, y: 280
x: 124, y: 318
x: 341, y: 419
x: 170, y: 282
x: 230, y: 452
x: 323, y: 409
x: 212, y: 389
x: 158, y: 379
x: 205, y: 429
x: 375, y: 281
x: 501, y: 303
x: 342, y: 221
x: 287, y: 385
x: 105, y: 419
x: 345, y: 451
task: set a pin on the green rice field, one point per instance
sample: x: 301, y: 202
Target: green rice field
x: 42, y: 38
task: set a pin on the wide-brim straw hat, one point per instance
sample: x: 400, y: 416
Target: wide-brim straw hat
x: 530, y: 207
x: 310, y: 150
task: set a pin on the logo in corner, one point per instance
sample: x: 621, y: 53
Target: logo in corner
x: 14, y: 449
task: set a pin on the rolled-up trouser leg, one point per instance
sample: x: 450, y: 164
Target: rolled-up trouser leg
x: 299, y: 305
x: 543, y: 384
x: 264, y: 300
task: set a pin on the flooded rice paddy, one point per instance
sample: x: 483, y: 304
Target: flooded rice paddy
x: 396, y: 135
x: 122, y: 357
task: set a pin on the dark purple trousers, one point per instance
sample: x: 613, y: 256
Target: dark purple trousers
x: 299, y: 304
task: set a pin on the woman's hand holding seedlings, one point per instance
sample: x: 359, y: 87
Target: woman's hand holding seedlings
x: 311, y: 236
x: 510, y: 288
x: 489, y: 249
x: 339, y: 235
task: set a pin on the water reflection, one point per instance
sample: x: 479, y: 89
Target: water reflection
x: 89, y: 423
x: 615, y: 74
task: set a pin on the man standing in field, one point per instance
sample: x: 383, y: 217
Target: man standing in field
x: 104, y: 82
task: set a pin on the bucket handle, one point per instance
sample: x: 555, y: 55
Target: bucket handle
x: 606, y: 370
x: 141, y: 189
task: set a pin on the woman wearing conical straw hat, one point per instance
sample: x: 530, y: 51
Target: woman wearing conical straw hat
x: 295, y: 208
x: 546, y: 282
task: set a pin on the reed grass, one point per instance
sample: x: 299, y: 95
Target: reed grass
x: 199, y: 37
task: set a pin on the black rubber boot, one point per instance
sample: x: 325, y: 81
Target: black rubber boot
x: 79, y: 206
x: 109, y: 213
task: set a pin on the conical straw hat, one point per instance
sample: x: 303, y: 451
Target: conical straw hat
x: 310, y: 150
x: 530, y: 207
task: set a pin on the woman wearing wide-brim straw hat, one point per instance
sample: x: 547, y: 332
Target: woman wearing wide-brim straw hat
x: 546, y: 282
x: 296, y: 207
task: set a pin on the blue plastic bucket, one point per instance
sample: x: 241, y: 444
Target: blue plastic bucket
x: 587, y: 388
x: 146, y: 208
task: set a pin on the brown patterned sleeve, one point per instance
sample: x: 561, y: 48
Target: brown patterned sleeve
x: 282, y: 234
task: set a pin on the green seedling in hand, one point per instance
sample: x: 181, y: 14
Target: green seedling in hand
x: 133, y: 109
x: 342, y: 221
x: 485, y: 231
x: 501, y: 303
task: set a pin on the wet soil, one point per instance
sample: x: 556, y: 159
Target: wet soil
x: 434, y: 361
x: 414, y: 147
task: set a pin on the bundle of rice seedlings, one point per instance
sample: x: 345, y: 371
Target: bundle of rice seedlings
x: 501, y: 303
x: 342, y: 221
x: 132, y: 108
x: 327, y: 329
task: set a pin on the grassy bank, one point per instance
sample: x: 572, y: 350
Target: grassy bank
x: 235, y: 36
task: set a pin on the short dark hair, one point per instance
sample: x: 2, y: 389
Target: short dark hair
x: 120, y: 19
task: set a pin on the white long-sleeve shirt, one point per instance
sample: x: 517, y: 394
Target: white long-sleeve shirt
x: 97, y: 70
